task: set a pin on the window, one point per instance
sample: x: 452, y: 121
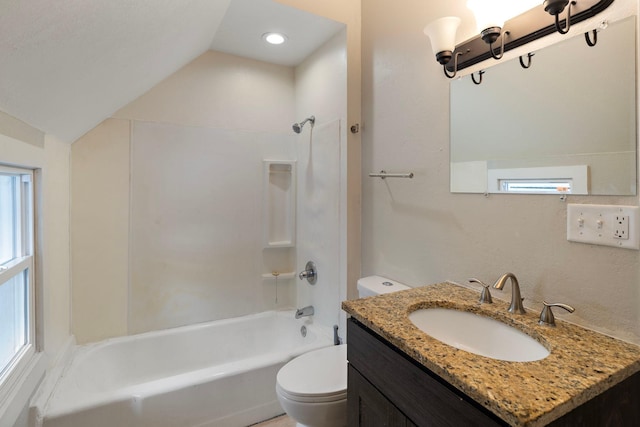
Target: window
x: 537, y: 186
x: 16, y: 271
x: 540, y: 180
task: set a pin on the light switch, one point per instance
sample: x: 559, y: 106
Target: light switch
x: 608, y: 225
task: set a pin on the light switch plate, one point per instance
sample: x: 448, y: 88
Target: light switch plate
x: 607, y: 225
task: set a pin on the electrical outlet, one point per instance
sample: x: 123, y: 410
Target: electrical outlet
x: 607, y: 225
x: 621, y: 227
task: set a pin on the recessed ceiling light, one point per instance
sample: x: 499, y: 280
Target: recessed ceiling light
x: 274, y: 38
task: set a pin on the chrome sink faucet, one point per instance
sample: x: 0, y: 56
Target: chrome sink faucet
x: 516, y: 300
x: 305, y: 311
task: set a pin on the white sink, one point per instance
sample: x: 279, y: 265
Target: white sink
x: 478, y: 334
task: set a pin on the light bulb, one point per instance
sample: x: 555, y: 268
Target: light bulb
x: 274, y: 38
x: 494, y: 13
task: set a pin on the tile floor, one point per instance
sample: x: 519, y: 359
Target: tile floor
x: 281, y: 421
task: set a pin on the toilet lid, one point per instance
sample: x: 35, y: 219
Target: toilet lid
x: 318, y: 373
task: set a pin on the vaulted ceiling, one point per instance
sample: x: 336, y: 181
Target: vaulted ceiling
x: 66, y: 65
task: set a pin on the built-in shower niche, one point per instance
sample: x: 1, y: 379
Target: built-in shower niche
x: 279, y: 213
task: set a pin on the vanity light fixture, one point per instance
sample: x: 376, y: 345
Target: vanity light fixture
x: 516, y: 27
x: 442, y: 33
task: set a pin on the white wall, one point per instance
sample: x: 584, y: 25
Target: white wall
x: 196, y: 226
x: 349, y: 13
x: 417, y: 232
x: 321, y: 90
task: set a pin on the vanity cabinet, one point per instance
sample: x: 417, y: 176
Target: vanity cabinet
x: 388, y: 388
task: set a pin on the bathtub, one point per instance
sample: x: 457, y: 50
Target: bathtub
x: 221, y: 373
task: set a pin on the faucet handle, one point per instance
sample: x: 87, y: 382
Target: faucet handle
x: 485, y: 295
x: 310, y: 273
x: 547, y: 317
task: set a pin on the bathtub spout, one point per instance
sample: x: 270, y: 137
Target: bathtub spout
x: 305, y: 311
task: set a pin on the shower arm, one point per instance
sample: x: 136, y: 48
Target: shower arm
x: 308, y: 119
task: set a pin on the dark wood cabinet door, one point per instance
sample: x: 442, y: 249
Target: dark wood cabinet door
x: 367, y: 407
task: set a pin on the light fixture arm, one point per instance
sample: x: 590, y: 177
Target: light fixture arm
x: 501, y: 54
x: 528, y: 64
x: 473, y: 77
x: 455, y: 66
x: 568, y: 27
x: 590, y: 42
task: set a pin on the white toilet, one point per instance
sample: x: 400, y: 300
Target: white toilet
x: 312, y: 388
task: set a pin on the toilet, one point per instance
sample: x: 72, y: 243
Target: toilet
x: 312, y: 388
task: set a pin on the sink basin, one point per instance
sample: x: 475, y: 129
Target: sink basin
x: 478, y: 334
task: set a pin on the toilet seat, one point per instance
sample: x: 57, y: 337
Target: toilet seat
x: 315, y: 377
x: 316, y: 398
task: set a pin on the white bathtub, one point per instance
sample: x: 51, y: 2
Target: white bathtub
x: 221, y: 373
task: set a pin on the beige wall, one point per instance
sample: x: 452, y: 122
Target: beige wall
x: 21, y: 131
x: 199, y: 94
x: 100, y: 231
x: 415, y: 231
x: 55, y: 240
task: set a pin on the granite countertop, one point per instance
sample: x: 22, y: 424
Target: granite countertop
x: 582, y: 363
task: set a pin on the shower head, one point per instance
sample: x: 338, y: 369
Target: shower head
x: 297, y: 127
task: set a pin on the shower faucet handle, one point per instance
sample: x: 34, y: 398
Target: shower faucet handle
x: 310, y: 273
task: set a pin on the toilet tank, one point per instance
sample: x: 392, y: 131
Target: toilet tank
x: 377, y: 285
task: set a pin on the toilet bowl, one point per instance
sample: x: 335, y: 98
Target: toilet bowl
x: 312, y: 388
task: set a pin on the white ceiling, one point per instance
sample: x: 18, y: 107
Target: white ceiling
x: 66, y: 65
x: 246, y: 21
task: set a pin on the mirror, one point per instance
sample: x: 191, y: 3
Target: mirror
x: 566, y: 125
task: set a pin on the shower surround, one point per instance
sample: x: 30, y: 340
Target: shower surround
x: 196, y: 225
x: 180, y: 242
